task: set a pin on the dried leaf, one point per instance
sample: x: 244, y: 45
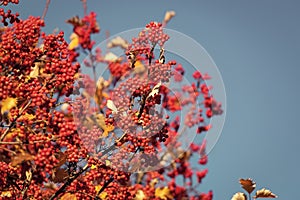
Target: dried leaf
x: 117, y: 42
x: 239, y: 196
x: 75, y: 21
x: 27, y: 116
x: 74, y: 41
x: 8, y: 104
x: 140, y: 195
x: 6, y: 194
x: 163, y: 193
x: 110, y: 104
x: 68, y: 196
x: 248, y: 184
x: 155, y: 90
x: 59, y: 175
x: 139, y: 67
x: 62, y: 157
x: 35, y: 71
x: 111, y: 57
x: 168, y: 16
x: 103, y: 194
x: 19, y: 158
x: 28, y: 175
x: 153, y: 182
x: 264, y: 193
x: 108, y: 128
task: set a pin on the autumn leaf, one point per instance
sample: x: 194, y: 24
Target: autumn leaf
x: 108, y: 128
x: 6, y: 194
x: 8, y: 104
x: 27, y: 116
x: 110, y: 104
x: 103, y: 194
x: 140, y: 195
x: 239, y: 196
x: 264, y: 193
x: 35, y: 71
x: 168, y: 16
x: 155, y: 90
x: 248, y: 184
x: 139, y: 68
x: 59, y: 175
x: 75, y: 21
x: 74, y: 41
x: 163, y: 193
x: 117, y: 42
x: 19, y: 158
x: 68, y: 196
x: 111, y: 57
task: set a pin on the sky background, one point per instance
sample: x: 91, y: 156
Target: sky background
x: 256, y: 46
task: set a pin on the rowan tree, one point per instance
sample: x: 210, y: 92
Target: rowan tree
x: 67, y: 135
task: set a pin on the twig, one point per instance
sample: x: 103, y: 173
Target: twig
x: 106, y: 183
x: 14, y: 121
x: 84, y: 7
x: 69, y: 181
x: 46, y: 9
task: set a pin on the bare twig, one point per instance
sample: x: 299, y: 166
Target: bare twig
x: 104, y: 186
x: 46, y: 9
x: 69, y: 181
x: 84, y: 7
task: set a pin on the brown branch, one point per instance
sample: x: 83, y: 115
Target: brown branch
x: 105, y: 185
x: 46, y: 9
x: 84, y: 4
x: 69, y: 181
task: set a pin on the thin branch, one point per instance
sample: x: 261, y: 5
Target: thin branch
x: 84, y: 7
x: 69, y: 181
x: 14, y: 121
x: 46, y: 9
x: 104, y: 187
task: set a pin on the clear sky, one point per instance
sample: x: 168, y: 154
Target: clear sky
x: 256, y: 46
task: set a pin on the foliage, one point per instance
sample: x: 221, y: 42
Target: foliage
x: 249, y: 186
x: 67, y: 135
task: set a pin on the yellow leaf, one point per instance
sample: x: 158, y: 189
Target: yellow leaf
x: 264, y: 193
x: 140, y: 195
x: 27, y: 116
x: 68, y: 196
x: 153, y: 182
x: 8, y: 104
x: 35, y: 71
x: 6, y: 194
x: 108, y: 128
x: 139, y: 68
x: 163, y: 193
x: 94, y: 167
x: 248, y: 184
x: 117, y: 42
x: 169, y: 15
x: 100, y: 119
x: 74, y: 41
x: 103, y: 195
x: 239, y: 196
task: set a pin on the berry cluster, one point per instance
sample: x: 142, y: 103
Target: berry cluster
x: 8, y: 16
x: 52, y: 146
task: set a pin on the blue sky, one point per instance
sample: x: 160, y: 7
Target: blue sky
x: 256, y: 46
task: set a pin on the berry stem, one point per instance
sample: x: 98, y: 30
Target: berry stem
x: 45, y: 9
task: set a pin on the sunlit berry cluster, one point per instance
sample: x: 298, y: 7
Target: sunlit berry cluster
x: 66, y: 135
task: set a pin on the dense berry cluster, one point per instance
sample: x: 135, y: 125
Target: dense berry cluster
x: 65, y: 135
